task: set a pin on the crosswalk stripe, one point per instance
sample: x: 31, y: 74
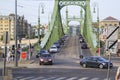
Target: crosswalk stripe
x: 60, y: 78
x: 54, y: 78
x: 38, y: 78
x: 84, y: 78
x: 94, y: 79
x: 49, y: 78
x: 72, y: 78
x: 19, y: 77
x: 26, y: 78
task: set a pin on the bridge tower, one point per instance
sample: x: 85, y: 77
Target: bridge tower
x: 56, y: 31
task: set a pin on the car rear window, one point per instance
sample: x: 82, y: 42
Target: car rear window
x: 45, y: 55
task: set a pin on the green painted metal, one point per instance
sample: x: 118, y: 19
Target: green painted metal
x: 87, y: 30
x: 81, y: 21
x: 56, y: 29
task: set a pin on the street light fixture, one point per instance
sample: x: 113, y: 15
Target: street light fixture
x: 39, y: 34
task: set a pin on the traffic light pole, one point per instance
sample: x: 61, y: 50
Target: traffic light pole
x: 16, y: 63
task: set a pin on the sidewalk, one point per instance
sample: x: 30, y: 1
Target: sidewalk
x: 21, y: 64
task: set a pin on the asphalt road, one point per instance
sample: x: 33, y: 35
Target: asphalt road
x: 66, y: 66
x: 63, y: 73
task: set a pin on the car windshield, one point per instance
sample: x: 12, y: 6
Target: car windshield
x: 101, y: 59
x: 56, y: 42
x: 53, y: 47
x: 43, y: 51
x: 45, y: 55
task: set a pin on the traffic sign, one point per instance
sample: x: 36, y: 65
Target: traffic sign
x: 24, y: 55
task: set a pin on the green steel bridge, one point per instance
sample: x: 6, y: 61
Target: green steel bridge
x: 57, y: 30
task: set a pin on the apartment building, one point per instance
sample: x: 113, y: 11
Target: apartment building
x: 107, y: 26
x: 7, y: 23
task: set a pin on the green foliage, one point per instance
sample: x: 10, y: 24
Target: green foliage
x: 1, y: 38
x: 102, y: 43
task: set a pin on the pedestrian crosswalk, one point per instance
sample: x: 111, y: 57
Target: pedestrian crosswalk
x: 56, y: 78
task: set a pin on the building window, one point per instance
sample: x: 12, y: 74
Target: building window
x: 110, y: 24
x: 115, y: 24
x: 105, y: 24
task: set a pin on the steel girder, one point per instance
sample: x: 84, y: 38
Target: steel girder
x: 56, y: 29
x: 87, y: 29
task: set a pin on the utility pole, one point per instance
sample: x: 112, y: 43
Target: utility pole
x: 98, y: 28
x: 39, y: 26
x: 16, y: 62
x: 29, y: 42
x: 98, y: 34
x: 39, y: 29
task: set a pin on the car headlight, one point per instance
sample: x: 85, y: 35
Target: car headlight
x: 103, y: 63
x: 41, y: 60
x: 50, y: 59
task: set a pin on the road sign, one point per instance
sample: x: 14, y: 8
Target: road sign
x: 23, y: 55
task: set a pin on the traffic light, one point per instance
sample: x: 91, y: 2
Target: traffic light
x: 13, y: 49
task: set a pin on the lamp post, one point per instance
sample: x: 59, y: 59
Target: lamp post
x: 39, y: 35
x: 96, y: 5
x: 16, y: 63
x: 29, y: 26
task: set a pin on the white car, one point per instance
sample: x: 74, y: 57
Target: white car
x: 53, y: 49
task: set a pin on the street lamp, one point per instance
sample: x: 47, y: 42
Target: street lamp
x: 94, y: 11
x: 16, y: 63
x: 29, y: 26
x: 39, y: 35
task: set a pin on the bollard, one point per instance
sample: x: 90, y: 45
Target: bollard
x: 8, y: 75
x: 81, y: 56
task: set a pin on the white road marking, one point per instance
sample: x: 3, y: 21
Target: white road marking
x: 94, y: 79
x: 38, y: 78
x: 50, y: 78
x: 84, y: 78
x: 61, y: 78
x: 72, y: 78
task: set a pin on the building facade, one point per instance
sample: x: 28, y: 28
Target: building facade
x: 7, y: 23
x: 107, y: 26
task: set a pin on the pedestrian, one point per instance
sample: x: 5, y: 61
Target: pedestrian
x: 31, y: 51
x: 8, y: 55
x: 12, y: 56
x: 117, y: 74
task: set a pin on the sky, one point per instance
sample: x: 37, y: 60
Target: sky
x: 29, y: 8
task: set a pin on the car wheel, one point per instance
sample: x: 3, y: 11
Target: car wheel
x: 40, y: 63
x: 84, y: 65
x: 101, y: 66
x: 51, y: 63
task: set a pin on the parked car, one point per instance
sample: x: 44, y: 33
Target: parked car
x: 53, y: 49
x: 95, y: 61
x: 45, y: 59
x: 57, y: 44
x: 82, y: 40
x: 84, y: 45
x: 41, y: 52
